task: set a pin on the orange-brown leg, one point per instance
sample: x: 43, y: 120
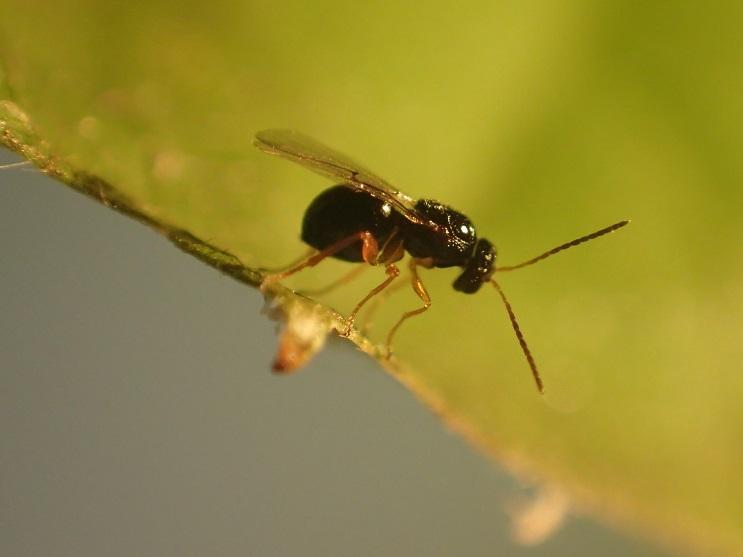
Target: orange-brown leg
x: 392, y: 273
x: 348, y: 277
x: 294, y: 263
x: 422, y: 293
x: 369, y: 251
x: 377, y: 302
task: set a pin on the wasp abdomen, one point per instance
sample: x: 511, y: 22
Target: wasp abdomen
x: 340, y: 212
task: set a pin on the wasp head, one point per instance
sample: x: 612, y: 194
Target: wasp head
x: 478, y: 269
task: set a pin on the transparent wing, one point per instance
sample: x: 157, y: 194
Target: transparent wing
x: 308, y: 152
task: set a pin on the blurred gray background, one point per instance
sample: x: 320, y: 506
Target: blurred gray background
x: 138, y: 415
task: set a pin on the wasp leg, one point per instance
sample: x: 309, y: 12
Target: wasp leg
x: 348, y: 277
x: 376, y: 303
x: 422, y: 293
x: 369, y: 251
x: 294, y: 263
x: 392, y: 273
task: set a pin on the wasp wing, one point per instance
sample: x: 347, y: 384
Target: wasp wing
x: 312, y: 154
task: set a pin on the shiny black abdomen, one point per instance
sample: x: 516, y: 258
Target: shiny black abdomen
x: 339, y: 212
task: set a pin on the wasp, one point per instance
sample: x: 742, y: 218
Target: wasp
x: 365, y: 220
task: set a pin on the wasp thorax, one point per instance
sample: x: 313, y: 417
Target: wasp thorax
x: 452, y: 240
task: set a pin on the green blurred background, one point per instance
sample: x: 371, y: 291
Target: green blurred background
x: 541, y: 122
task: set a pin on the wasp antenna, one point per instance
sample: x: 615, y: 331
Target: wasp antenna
x: 562, y: 247
x: 520, y: 337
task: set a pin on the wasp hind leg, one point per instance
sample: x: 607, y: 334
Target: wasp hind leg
x: 369, y: 251
x: 392, y: 251
x: 392, y: 273
x: 344, y: 279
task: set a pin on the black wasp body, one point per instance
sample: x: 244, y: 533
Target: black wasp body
x: 365, y: 220
x: 341, y: 211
